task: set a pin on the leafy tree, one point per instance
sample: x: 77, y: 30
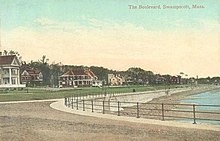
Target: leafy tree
x: 101, y: 73
x: 43, y: 66
x: 11, y: 52
x: 140, y: 76
x: 55, y: 72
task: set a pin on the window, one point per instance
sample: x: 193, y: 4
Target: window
x: 5, y: 72
x: 14, y: 71
x: 13, y: 81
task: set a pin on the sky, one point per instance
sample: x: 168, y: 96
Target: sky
x: 110, y: 34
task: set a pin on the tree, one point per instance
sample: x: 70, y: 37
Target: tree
x: 44, y: 60
x: 55, y: 71
x: 5, y: 52
x: 43, y: 66
x: 101, y: 73
x: 140, y: 76
x: 11, y: 52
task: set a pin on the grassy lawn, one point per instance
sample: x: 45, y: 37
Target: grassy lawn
x: 49, y: 93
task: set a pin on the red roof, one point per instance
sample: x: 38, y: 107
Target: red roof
x: 33, y: 72
x: 69, y: 73
x: 80, y: 72
x: 7, y: 60
x: 30, y: 70
x: 90, y: 73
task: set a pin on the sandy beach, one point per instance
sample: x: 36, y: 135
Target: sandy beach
x: 37, y: 121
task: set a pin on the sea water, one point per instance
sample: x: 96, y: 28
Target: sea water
x: 211, y: 98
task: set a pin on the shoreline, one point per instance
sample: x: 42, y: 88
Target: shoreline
x: 175, y: 98
x: 171, y: 104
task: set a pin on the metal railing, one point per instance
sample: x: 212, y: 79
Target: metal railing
x: 160, y: 111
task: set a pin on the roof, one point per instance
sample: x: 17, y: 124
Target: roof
x: 90, y: 73
x: 75, y: 72
x: 33, y: 71
x: 69, y: 73
x: 79, y: 72
x: 7, y: 60
x: 29, y: 69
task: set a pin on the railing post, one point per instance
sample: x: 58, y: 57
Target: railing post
x: 72, y: 102
x: 118, y: 108
x: 92, y: 106
x: 83, y: 105
x: 162, y: 112
x: 103, y: 108
x: 68, y: 101
x: 65, y: 101
x: 138, y: 116
x: 77, y: 104
x: 194, y: 114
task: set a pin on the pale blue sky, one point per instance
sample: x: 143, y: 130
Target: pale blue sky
x: 107, y: 33
x: 15, y: 13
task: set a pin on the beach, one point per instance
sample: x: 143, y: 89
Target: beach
x: 174, y: 98
x: 37, y: 121
x: 170, y: 101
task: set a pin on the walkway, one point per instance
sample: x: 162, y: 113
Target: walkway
x: 59, y: 105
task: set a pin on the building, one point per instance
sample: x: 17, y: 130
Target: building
x: 77, y: 78
x: 115, y: 79
x: 10, y: 72
x: 175, y: 80
x: 160, y: 80
x: 31, y: 76
x: 97, y: 83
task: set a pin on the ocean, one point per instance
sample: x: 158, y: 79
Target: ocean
x: 211, y: 98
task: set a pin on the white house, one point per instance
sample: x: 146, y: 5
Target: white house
x: 10, y: 72
x: 77, y: 78
x: 115, y: 79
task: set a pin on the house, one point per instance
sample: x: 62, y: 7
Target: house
x: 31, y: 76
x: 129, y: 80
x: 10, y: 72
x: 115, y: 79
x: 160, y: 80
x: 97, y: 83
x: 77, y: 78
x: 175, y: 79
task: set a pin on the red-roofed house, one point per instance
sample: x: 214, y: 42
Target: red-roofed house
x: 77, y: 78
x: 9, y: 72
x: 30, y: 75
x: 175, y: 79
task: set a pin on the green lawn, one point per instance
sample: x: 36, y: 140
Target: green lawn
x: 43, y: 93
